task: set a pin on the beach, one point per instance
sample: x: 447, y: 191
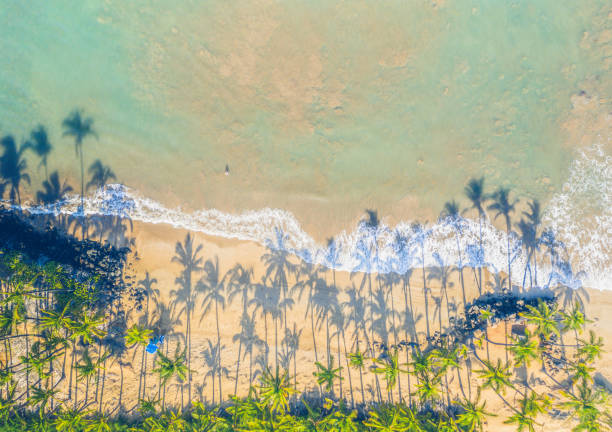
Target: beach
x: 156, y: 246
x: 303, y: 183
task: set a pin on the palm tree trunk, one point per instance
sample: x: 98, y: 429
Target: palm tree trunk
x: 83, y: 220
x: 295, y: 358
x: 218, y: 352
x: 369, y: 276
x: 460, y: 269
x: 237, y: 367
x: 250, y: 368
x: 361, y: 376
x: 120, y: 401
x: 144, y: 356
x: 348, y: 368
x: 482, y: 251
x: 405, y: 290
x: 314, y: 339
x: 189, y: 313
x: 71, y: 370
x: 535, y: 268
x: 327, y: 336
x: 86, y: 389
x: 99, y: 371
x: 376, y: 381
x: 339, y: 362
x: 102, y: 387
x: 25, y: 329
x: 266, y: 336
x: 508, y: 248
x: 276, y: 342
x: 425, y: 292
x: 143, y: 364
x: 213, y: 386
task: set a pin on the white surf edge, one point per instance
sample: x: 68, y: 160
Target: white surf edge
x: 580, y: 216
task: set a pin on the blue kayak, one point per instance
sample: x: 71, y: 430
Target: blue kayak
x: 154, y: 344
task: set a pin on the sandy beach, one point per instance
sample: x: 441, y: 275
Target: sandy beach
x: 156, y: 247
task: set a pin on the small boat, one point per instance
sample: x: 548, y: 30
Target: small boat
x: 154, y: 344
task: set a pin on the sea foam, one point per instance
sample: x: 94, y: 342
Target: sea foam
x: 580, y: 216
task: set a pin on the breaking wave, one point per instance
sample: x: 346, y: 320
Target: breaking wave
x: 579, y: 217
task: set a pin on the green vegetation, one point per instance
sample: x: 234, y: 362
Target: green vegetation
x: 542, y: 378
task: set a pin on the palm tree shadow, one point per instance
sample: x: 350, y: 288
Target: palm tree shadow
x: 12, y: 169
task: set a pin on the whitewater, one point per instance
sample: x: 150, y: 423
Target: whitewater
x: 579, y: 216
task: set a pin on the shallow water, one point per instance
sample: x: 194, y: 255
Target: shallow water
x: 323, y: 110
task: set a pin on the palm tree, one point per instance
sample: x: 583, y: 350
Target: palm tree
x: 447, y: 356
x: 549, y: 240
x: 275, y: 390
x: 419, y: 237
x: 405, y: 253
x: 357, y: 361
x: 212, y: 285
x: 311, y: 276
x: 567, y: 285
x: 39, y: 143
x: 367, y: 254
x: 525, y: 349
x: 139, y: 336
x: 147, y: 289
x: 292, y: 344
x: 475, y: 193
x: 474, y: 415
x: 573, y: 320
x: 326, y: 375
x: 240, y: 283
x: 338, y: 320
x: 495, y: 376
x: 100, y: 175
x: 587, y: 406
x: 261, y: 301
x: 211, y: 356
x: 248, y: 339
x: 87, y: 370
x: 530, y: 241
x: 543, y: 318
x: 278, y: 265
x: 389, y: 368
x: 534, y: 217
x: 164, y: 323
x: 324, y: 300
x: 12, y: 167
x: 428, y: 389
x: 386, y: 419
x: 188, y: 256
x: 168, y: 368
x: 442, y: 273
x: 85, y: 330
x: 79, y: 127
x: 452, y: 216
x: 41, y: 397
x: 503, y: 206
x: 591, y: 349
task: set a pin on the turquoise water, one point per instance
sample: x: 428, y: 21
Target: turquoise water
x: 321, y: 109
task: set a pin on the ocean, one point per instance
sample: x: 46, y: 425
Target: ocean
x: 321, y: 110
